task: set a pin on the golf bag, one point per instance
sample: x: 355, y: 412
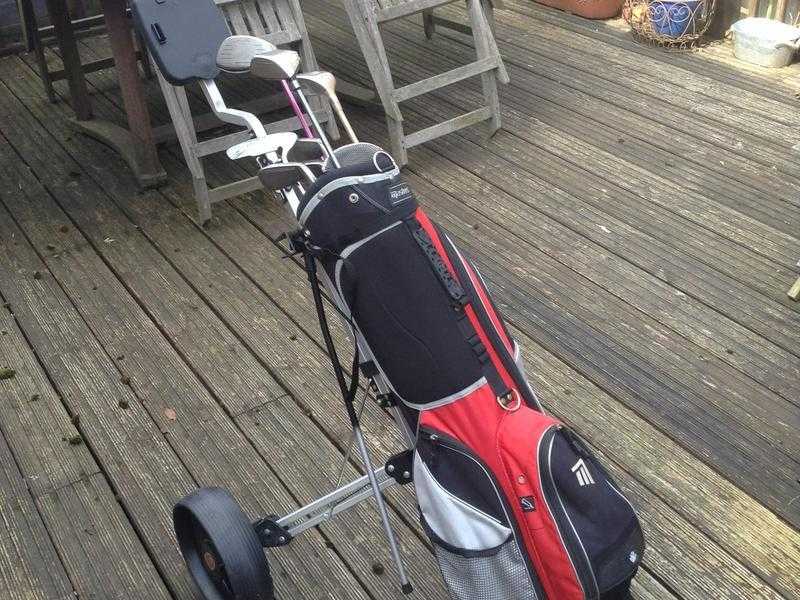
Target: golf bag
x: 515, y: 504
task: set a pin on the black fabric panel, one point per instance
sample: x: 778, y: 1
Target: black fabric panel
x: 338, y: 221
x: 462, y: 476
x: 407, y: 318
x: 506, y: 357
x: 607, y: 526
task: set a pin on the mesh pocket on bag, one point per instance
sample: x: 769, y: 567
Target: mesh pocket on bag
x: 500, y: 575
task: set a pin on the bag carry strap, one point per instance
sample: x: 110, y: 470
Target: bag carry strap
x: 300, y: 244
x: 460, y: 299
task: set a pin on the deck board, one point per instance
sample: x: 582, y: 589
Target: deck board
x: 643, y: 273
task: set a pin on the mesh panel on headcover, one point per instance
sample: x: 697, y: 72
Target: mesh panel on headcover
x: 503, y: 576
x: 355, y: 154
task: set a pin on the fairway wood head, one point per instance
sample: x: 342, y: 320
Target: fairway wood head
x: 319, y: 82
x: 275, y: 65
x: 237, y: 52
x: 279, y: 144
x: 283, y: 175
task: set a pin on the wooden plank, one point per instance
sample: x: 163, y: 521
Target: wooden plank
x: 261, y: 268
x: 539, y: 74
x: 263, y: 328
x: 29, y: 565
x: 253, y: 208
x: 521, y: 30
x: 133, y: 455
x: 258, y: 262
x: 620, y: 173
x: 255, y: 266
x: 253, y: 17
x: 720, y: 66
x: 703, y: 252
x: 444, y: 128
x: 443, y: 79
x: 601, y: 221
x: 202, y: 435
x: 399, y: 10
x: 99, y: 547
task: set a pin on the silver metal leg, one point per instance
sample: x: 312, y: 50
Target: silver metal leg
x: 382, y: 511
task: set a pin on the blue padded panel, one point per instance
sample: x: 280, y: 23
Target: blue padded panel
x: 182, y: 35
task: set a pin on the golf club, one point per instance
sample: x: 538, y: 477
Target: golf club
x: 280, y: 176
x: 283, y: 65
x: 325, y: 82
x: 277, y: 144
x: 235, y: 56
x: 306, y: 150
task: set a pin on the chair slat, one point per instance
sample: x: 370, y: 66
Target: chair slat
x: 236, y: 18
x: 288, y: 18
x: 270, y: 18
x: 256, y: 27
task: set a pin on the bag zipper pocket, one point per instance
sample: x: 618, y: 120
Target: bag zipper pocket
x: 555, y: 504
x: 443, y: 440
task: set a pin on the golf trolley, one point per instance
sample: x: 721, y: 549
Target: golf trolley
x: 223, y: 549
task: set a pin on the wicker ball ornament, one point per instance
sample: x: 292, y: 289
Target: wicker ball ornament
x: 673, y: 24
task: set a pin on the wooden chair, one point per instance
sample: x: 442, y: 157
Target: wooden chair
x: 366, y: 16
x: 36, y: 39
x: 281, y: 23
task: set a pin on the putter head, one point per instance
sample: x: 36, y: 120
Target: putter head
x: 276, y: 64
x: 318, y: 82
x: 284, y: 175
x: 279, y: 144
x: 306, y: 150
x: 237, y: 52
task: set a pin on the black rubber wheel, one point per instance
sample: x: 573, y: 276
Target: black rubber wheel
x: 221, y: 549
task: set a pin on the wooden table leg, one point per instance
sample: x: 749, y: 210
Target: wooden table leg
x: 121, y: 39
x: 136, y: 143
x: 79, y: 95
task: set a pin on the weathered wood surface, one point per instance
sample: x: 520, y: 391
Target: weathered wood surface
x: 658, y: 329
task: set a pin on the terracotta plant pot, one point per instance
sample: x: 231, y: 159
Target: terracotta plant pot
x: 590, y: 9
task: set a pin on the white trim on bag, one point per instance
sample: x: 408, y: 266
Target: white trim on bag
x: 340, y: 183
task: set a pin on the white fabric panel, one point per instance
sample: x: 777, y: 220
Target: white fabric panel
x: 453, y: 520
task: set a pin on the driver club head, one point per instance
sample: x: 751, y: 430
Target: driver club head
x: 275, y: 65
x: 237, y: 52
x: 278, y: 144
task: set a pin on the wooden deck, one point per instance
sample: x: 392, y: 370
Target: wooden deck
x: 638, y: 217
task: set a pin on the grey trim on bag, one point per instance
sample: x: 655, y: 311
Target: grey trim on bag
x: 340, y: 183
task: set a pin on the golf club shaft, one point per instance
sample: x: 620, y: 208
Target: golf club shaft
x: 296, y: 108
x: 337, y: 107
x: 320, y: 132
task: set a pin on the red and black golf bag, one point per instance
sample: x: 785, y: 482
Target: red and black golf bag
x: 516, y: 506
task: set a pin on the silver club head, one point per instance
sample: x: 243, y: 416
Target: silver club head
x: 278, y: 144
x: 277, y: 64
x: 280, y: 176
x: 306, y: 150
x: 237, y: 52
x: 323, y: 82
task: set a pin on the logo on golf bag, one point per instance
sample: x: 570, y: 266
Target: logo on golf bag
x: 527, y: 503
x: 400, y: 192
x: 582, y: 473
